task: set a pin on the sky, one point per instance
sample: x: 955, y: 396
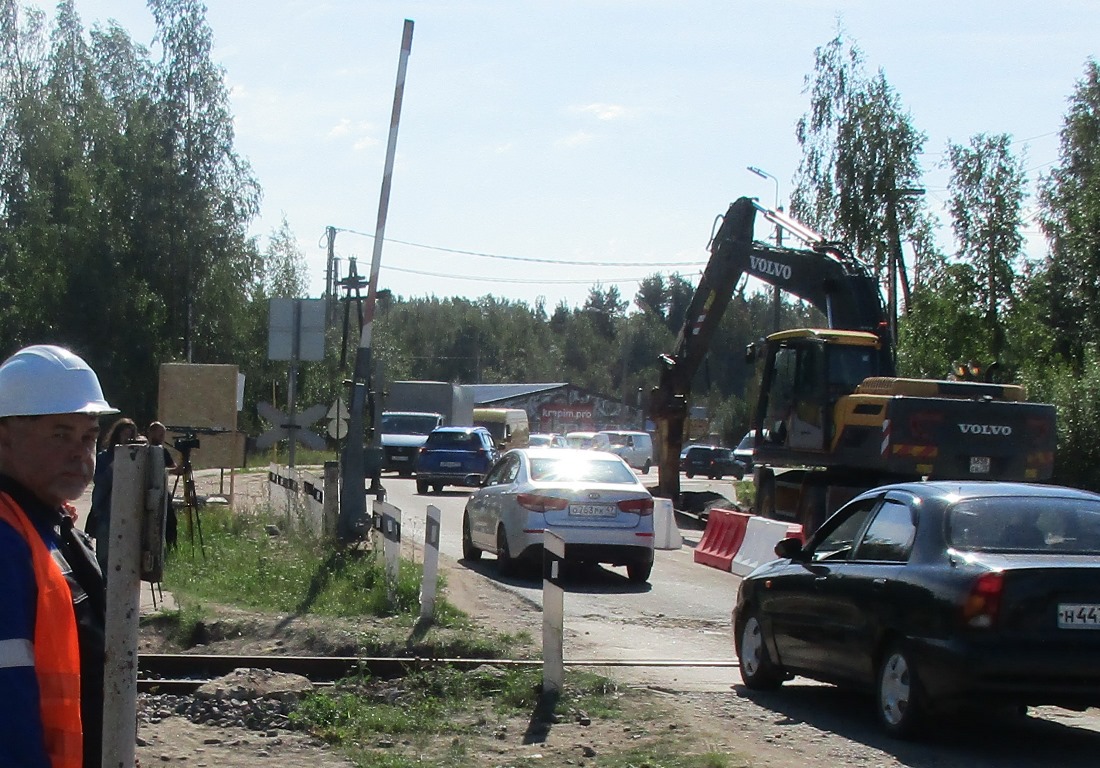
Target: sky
x: 548, y: 146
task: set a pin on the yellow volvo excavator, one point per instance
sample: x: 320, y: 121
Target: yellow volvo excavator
x: 832, y: 418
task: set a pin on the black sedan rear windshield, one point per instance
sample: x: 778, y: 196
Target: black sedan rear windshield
x: 460, y: 440
x: 581, y: 471
x: 1026, y: 524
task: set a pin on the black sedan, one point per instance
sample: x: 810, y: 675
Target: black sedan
x: 712, y: 461
x: 934, y: 595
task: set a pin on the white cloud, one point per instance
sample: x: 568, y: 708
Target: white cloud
x: 342, y: 128
x: 602, y: 111
x: 575, y: 139
x: 361, y: 133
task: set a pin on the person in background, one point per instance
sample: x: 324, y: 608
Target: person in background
x: 52, y: 597
x: 155, y: 433
x: 122, y: 432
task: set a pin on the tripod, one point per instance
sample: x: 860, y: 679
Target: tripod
x: 190, y: 497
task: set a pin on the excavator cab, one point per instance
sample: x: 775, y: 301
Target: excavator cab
x: 806, y: 372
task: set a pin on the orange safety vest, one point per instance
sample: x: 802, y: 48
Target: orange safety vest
x: 56, y: 647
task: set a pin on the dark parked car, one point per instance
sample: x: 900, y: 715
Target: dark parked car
x: 746, y: 449
x: 712, y: 461
x: 451, y: 454
x: 932, y: 595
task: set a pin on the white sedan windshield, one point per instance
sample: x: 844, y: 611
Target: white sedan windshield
x: 586, y: 470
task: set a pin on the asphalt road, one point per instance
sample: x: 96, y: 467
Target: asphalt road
x: 682, y: 613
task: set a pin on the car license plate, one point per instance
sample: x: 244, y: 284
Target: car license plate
x: 1078, y: 616
x: 399, y: 458
x: 592, y: 510
x: 979, y: 465
x: 450, y: 464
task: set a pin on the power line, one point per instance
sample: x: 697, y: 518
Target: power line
x: 521, y: 280
x: 526, y: 258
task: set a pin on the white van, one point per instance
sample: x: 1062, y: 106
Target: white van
x: 508, y: 426
x: 636, y: 448
x: 595, y: 441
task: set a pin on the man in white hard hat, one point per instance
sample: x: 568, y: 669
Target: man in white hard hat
x: 52, y: 598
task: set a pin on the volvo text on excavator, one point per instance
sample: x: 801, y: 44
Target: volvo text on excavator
x: 832, y: 417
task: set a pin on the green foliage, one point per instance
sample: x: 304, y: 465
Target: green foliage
x: 987, y: 193
x: 859, y: 147
x: 1070, y: 218
x: 1077, y: 398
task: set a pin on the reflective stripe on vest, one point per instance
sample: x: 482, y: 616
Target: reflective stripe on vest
x: 16, y: 653
x: 56, y: 652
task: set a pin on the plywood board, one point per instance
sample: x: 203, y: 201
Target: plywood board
x: 203, y: 396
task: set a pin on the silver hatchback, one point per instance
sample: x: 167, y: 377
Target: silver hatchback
x: 592, y: 499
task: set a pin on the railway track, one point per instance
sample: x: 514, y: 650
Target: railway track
x: 185, y: 672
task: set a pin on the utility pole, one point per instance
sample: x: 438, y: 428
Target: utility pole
x: 776, y: 305
x: 895, y: 258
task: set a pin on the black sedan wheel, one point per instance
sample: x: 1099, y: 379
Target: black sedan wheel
x: 469, y: 551
x: 757, y: 670
x: 505, y: 564
x: 689, y: 475
x: 421, y: 487
x: 897, y: 694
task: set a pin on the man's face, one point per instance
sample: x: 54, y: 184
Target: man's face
x: 52, y: 456
x: 156, y: 435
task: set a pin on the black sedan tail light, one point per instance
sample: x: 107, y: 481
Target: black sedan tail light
x: 983, y: 603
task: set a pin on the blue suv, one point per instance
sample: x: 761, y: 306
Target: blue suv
x: 451, y: 454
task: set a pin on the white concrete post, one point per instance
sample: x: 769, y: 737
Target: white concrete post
x: 553, y: 613
x: 130, y: 493
x: 391, y: 544
x: 431, y: 563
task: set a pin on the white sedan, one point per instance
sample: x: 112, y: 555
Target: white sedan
x: 592, y: 499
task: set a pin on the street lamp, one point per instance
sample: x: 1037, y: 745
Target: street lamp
x: 778, y: 240
x: 765, y: 175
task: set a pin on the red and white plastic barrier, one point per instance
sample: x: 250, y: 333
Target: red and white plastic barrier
x: 737, y: 541
x: 758, y: 547
x: 722, y: 538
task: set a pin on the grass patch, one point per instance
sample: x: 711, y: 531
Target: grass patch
x: 494, y: 717
x: 252, y: 561
x: 440, y: 701
x: 746, y: 493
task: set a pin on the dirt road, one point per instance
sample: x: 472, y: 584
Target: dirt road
x: 682, y: 615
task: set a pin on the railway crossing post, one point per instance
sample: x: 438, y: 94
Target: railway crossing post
x: 431, y: 564
x: 553, y: 613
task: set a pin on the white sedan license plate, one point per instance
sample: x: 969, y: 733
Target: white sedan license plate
x: 450, y: 464
x: 592, y: 510
x: 979, y: 465
x: 1079, y: 616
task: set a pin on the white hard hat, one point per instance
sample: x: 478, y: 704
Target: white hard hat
x: 45, y: 379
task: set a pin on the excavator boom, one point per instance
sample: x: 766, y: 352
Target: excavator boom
x: 823, y: 274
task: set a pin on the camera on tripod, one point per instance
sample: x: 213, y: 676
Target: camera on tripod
x: 188, y: 437
x: 186, y: 443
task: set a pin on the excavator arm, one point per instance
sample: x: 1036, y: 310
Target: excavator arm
x: 824, y: 275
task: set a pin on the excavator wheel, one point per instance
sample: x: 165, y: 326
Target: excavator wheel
x: 811, y: 508
x: 765, y: 496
